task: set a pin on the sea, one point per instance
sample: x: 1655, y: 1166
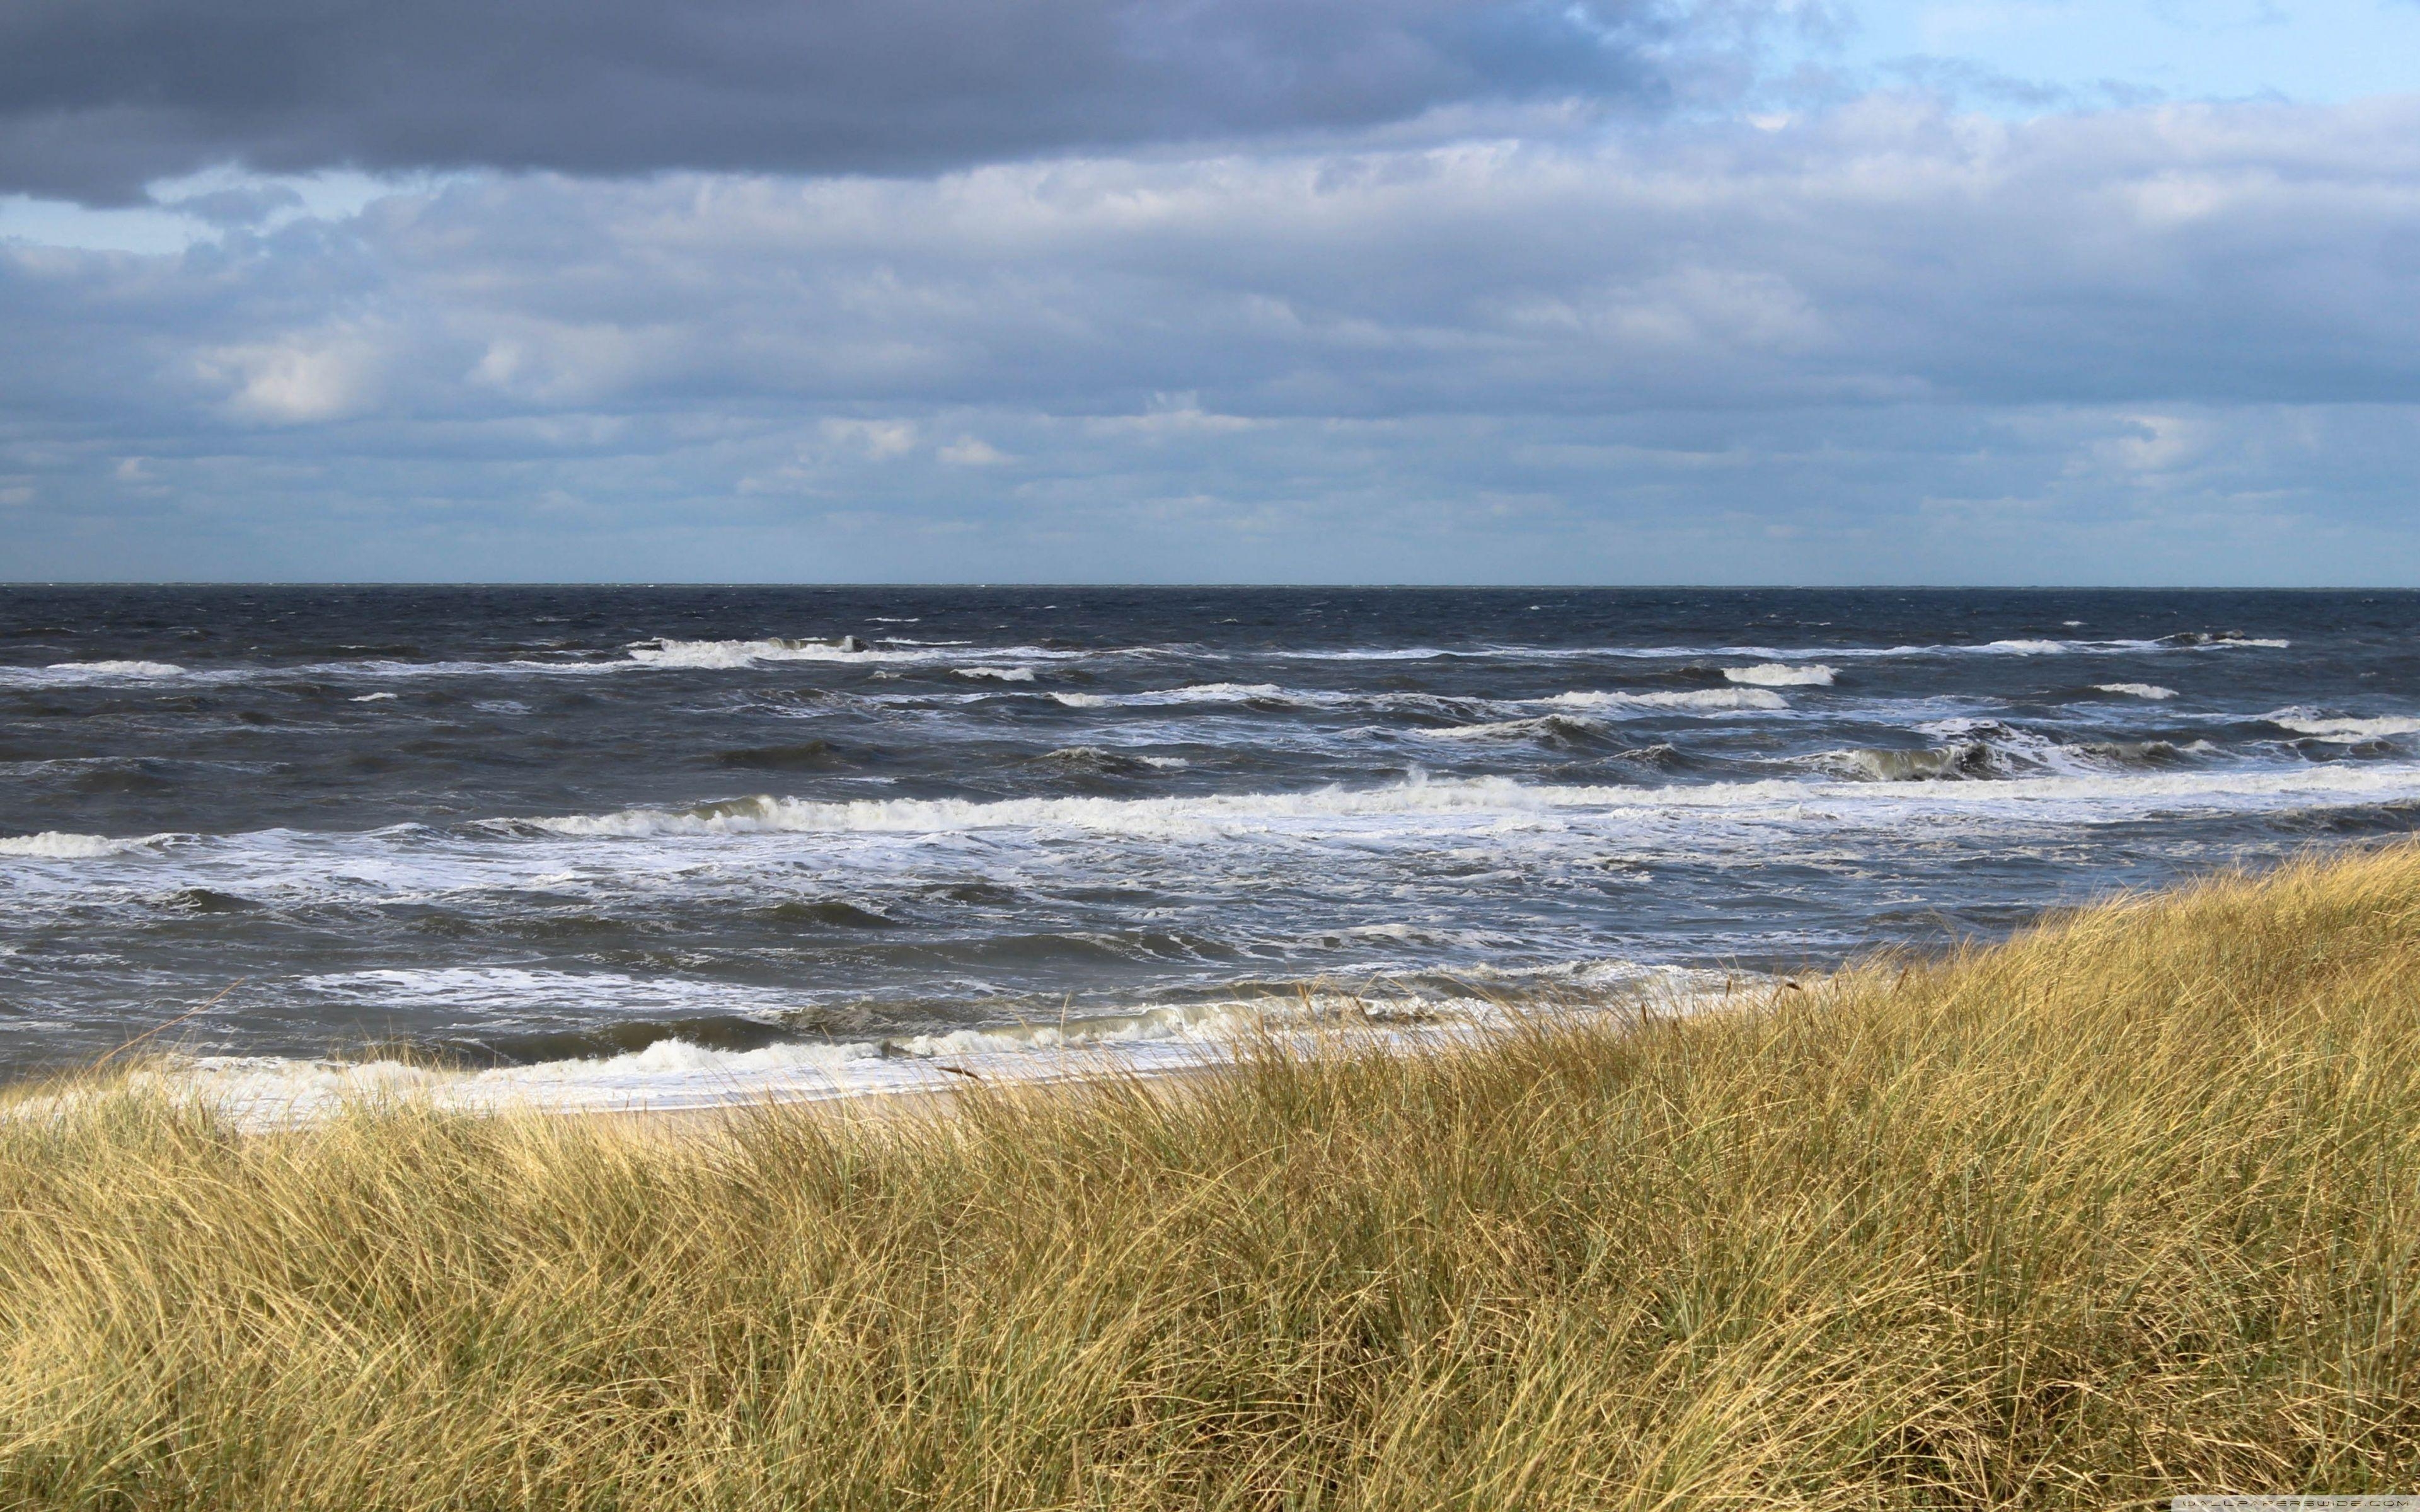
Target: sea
x: 665, y: 844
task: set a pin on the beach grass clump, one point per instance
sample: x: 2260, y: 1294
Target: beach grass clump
x: 2125, y: 1208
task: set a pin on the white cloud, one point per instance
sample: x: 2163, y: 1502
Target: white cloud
x: 971, y: 452
x: 298, y: 381
x: 1880, y: 330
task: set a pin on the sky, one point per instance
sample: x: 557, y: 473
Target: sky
x: 1723, y: 291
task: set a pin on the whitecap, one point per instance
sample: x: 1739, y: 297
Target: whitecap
x: 1701, y: 700
x: 1208, y: 693
x: 1005, y: 674
x: 1551, y: 728
x: 1781, y: 674
x: 1456, y: 801
x: 737, y: 654
x: 58, y: 845
x: 706, y: 655
x: 373, y: 698
x: 498, y: 993
x: 263, y: 1091
x: 2303, y: 722
x: 2139, y: 691
x: 76, y: 673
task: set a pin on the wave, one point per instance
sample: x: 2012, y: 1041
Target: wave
x: 1780, y: 675
x: 82, y: 673
x: 500, y: 993
x: 2140, y: 690
x: 1317, y: 810
x: 1552, y: 729
x: 2022, y: 646
x: 265, y: 1091
x: 1261, y: 693
x: 1005, y: 674
x: 1987, y: 748
x: 1160, y: 818
x: 2222, y: 638
x: 737, y: 653
x: 671, y: 654
x: 120, y: 669
x: 2304, y: 722
x: 57, y: 846
x: 1701, y: 700
x: 1968, y: 759
x: 1095, y: 761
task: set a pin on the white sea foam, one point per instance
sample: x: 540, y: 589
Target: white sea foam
x: 2304, y: 722
x: 373, y: 698
x: 1698, y: 701
x: 734, y: 654
x: 737, y: 653
x: 83, y: 673
x: 708, y: 654
x: 1552, y: 726
x: 121, y: 669
x: 673, y: 1073
x: 1209, y: 693
x: 502, y: 994
x: 1486, y: 800
x: 1173, y: 818
x: 59, y: 846
x: 2031, y: 646
x: 2139, y: 691
x: 1005, y: 674
x: 1781, y: 674
x: 1239, y: 693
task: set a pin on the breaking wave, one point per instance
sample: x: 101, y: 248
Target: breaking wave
x: 1701, y: 700
x: 78, y: 673
x: 1967, y: 759
x: 1211, y: 815
x: 732, y: 655
x: 2140, y: 690
x: 2303, y: 722
x: 57, y: 846
x: 1781, y: 674
x: 1553, y: 728
x: 1261, y: 693
x: 672, y: 1073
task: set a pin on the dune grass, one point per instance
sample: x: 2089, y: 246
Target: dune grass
x: 2126, y: 1208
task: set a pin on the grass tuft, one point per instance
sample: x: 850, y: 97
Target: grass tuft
x: 2128, y: 1206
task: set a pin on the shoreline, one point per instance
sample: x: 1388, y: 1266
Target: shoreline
x: 2118, y: 1210
x: 675, y: 1079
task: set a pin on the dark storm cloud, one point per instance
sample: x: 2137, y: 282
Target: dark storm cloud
x: 98, y: 99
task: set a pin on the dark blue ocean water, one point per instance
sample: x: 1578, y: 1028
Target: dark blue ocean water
x: 520, y: 825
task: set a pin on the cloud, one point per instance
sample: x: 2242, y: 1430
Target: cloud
x: 96, y: 100
x: 311, y: 377
x: 1882, y: 341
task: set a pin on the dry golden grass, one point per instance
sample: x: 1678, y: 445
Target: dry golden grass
x: 2129, y: 1207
